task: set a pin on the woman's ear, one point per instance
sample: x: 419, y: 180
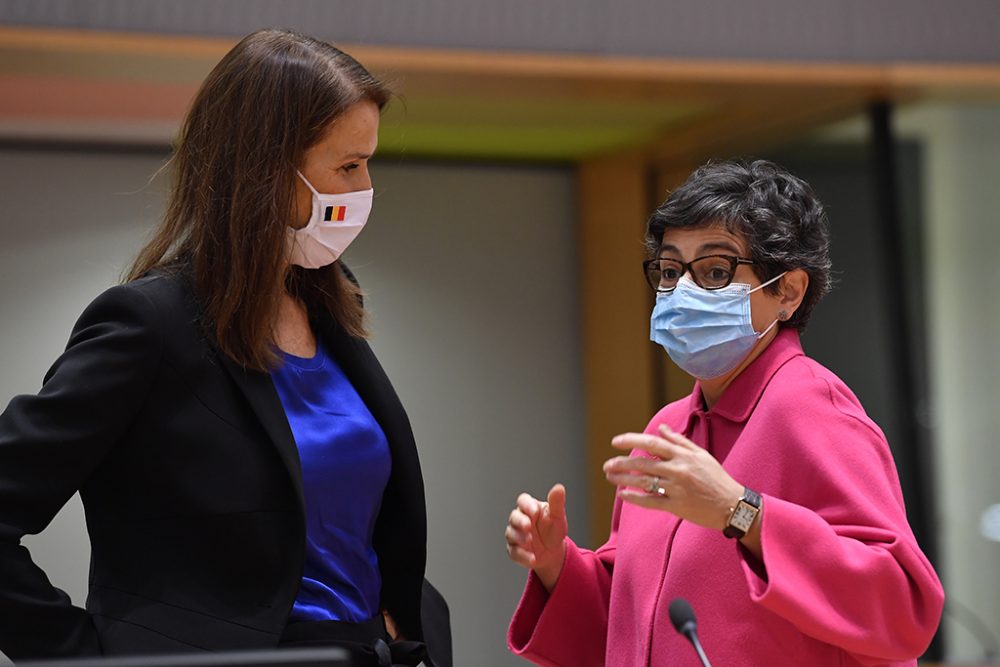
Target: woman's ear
x: 793, y: 287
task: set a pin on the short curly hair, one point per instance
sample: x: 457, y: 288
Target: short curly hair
x: 776, y: 212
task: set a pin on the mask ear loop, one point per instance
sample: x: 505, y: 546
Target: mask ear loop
x: 769, y: 327
x: 306, y: 181
x: 763, y: 285
x: 315, y: 203
x: 782, y: 315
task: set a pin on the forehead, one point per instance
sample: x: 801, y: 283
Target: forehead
x: 689, y: 243
x: 353, y: 132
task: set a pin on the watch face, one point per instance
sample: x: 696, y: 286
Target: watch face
x: 743, y: 516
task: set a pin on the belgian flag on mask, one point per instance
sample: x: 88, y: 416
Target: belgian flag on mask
x: 334, y: 213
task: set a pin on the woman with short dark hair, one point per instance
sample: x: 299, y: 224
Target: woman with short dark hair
x: 249, y: 476
x: 767, y: 498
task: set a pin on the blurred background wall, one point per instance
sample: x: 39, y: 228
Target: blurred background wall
x: 529, y: 142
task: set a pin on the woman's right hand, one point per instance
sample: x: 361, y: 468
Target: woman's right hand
x: 536, y: 534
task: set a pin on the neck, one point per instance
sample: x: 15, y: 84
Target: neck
x: 290, y: 306
x: 292, y: 332
x: 713, y: 388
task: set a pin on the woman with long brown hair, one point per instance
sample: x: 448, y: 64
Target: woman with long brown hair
x: 249, y: 476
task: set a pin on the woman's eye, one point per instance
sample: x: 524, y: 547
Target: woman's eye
x: 350, y: 167
x: 718, y: 274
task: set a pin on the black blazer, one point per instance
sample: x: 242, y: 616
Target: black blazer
x: 190, y: 479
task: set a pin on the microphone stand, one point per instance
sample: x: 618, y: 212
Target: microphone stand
x: 693, y: 638
x: 682, y: 617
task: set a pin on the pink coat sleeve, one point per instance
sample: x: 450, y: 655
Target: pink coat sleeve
x: 568, y: 626
x: 840, y: 561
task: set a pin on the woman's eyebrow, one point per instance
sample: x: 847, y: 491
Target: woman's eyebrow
x: 715, y: 246
x: 669, y: 248
x: 705, y: 249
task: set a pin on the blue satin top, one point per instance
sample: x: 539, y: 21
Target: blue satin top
x: 345, y: 468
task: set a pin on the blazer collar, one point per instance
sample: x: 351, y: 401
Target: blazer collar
x: 741, y: 396
x: 258, y: 388
x: 360, y: 366
x: 358, y: 363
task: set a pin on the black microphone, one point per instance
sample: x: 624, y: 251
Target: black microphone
x: 682, y: 616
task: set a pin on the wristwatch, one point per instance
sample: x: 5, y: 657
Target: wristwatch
x: 742, y: 516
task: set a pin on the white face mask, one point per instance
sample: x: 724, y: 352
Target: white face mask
x: 336, y: 220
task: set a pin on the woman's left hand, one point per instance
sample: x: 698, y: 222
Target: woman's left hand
x: 694, y: 485
x: 390, y: 627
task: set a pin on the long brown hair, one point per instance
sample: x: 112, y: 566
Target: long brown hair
x: 233, y: 193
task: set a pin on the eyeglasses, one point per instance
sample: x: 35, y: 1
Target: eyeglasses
x: 710, y: 272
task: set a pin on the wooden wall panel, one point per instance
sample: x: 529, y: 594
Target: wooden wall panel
x: 618, y: 362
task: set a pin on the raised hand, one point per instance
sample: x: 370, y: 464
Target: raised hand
x: 536, y: 534
x: 681, y: 477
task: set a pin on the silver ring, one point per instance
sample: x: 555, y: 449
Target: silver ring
x: 657, y: 487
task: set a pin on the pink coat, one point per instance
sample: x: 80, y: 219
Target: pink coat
x: 843, y: 581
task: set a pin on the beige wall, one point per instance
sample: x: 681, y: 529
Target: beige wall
x: 961, y: 204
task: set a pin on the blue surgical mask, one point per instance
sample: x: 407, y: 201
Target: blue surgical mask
x: 706, y: 332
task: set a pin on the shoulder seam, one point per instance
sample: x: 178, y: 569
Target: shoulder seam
x: 833, y: 403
